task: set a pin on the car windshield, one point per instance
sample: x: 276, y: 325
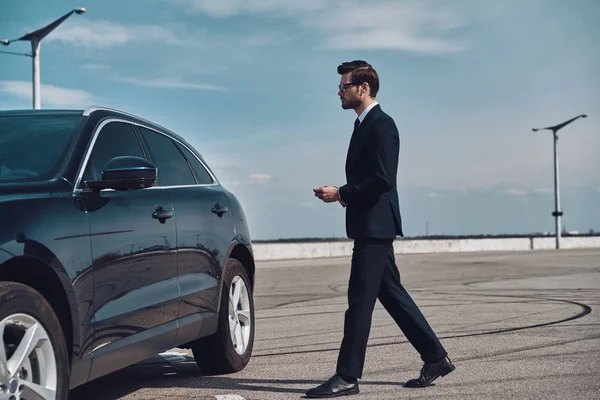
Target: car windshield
x: 32, y: 148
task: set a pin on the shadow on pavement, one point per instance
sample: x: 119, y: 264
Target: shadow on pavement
x: 170, y: 370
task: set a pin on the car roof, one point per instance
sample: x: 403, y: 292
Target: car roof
x: 100, y: 113
x: 89, y: 112
x: 111, y: 112
x: 45, y: 112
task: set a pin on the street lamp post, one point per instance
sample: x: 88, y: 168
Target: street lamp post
x: 557, y: 214
x: 35, y: 38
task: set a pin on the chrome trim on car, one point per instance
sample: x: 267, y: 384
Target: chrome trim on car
x: 97, y: 129
x: 66, y: 180
x: 88, y: 111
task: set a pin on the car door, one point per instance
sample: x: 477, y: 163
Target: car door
x: 204, y: 222
x: 136, y: 293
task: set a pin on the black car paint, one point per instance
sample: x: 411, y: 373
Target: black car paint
x: 134, y: 285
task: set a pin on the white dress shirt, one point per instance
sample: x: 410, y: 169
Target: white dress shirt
x: 366, y: 111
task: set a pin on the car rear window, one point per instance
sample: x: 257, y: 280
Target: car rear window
x: 32, y: 148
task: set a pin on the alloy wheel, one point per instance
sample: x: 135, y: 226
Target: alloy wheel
x: 28, y: 368
x: 239, y: 314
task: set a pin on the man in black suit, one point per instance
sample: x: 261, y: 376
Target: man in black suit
x: 370, y: 197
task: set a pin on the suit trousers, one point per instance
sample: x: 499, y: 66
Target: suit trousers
x: 374, y: 275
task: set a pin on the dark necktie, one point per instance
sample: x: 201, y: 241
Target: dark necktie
x: 356, y: 124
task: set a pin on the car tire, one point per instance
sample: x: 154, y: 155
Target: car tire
x: 24, y: 311
x: 219, y: 353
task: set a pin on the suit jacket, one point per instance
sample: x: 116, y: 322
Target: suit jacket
x: 371, y: 193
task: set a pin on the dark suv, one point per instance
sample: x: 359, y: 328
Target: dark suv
x: 117, y: 242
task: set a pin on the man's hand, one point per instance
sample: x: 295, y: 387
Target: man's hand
x: 328, y: 194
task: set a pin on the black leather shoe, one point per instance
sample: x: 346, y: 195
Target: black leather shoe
x: 334, y: 387
x: 430, y: 372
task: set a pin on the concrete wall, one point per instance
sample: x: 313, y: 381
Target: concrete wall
x: 570, y: 242
x: 307, y: 250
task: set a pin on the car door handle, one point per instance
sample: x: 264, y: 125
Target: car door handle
x: 219, y: 209
x: 161, y: 214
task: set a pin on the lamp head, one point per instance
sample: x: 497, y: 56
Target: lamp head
x: 5, y: 42
x: 583, y: 115
x: 80, y: 10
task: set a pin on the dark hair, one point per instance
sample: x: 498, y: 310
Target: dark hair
x: 361, y: 71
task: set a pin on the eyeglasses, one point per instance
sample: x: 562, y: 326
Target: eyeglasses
x: 342, y: 87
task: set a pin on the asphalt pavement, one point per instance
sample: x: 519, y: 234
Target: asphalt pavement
x: 517, y: 325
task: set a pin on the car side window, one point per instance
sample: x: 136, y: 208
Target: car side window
x: 201, y: 173
x: 114, y: 140
x: 173, y: 169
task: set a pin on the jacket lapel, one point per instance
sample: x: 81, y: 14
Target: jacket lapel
x: 359, y: 136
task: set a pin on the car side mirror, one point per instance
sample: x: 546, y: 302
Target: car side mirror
x: 126, y: 173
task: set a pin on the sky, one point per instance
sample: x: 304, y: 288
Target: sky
x: 252, y: 84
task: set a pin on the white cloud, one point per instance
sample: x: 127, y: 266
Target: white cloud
x: 50, y: 95
x: 234, y: 182
x: 389, y: 25
x: 102, y: 34
x: 96, y: 67
x: 516, y: 192
x: 408, y: 25
x: 380, y: 39
x: 170, y: 83
x: 231, y: 182
x: 259, y: 178
x: 227, y: 8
